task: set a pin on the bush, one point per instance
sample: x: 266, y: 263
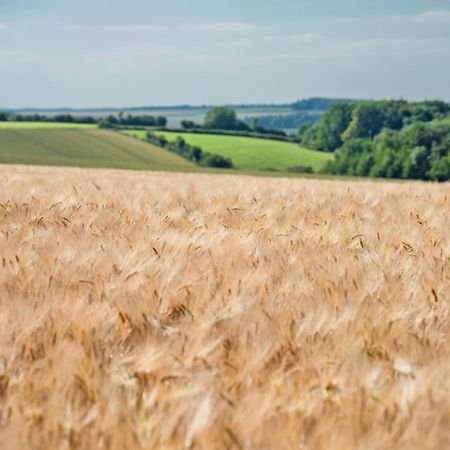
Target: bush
x: 223, y: 118
x: 219, y: 161
x: 300, y: 169
x: 188, y: 124
x: 190, y: 152
x: 106, y: 125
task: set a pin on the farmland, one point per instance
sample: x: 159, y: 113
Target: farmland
x: 163, y: 310
x: 174, y: 114
x: 83, y: 147
x: 42, y: 125
x: 251, y: 153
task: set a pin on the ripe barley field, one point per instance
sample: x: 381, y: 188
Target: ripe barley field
x: 187, y: 311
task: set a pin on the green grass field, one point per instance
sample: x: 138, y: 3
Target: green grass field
x: 40, y: 125
x: 251, y: 153
x: 56, y: 146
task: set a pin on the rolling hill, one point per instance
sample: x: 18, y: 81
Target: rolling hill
x: 43, y: 125
x: 84, y: 147
x: 251, y: 153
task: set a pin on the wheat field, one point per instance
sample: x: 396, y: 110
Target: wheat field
x: 187, y: 311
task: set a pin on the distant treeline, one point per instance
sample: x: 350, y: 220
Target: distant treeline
x: 391, y: 139
x: 128, y: 120
x: 224, y: 120
x: 311, y: 104
x: 60, y: 118
x: 321, y: 104
x: 258, y: 132
x: 131, y: 120
x: 190, y: 152
x: 286, y: 121
x: 306, y: 112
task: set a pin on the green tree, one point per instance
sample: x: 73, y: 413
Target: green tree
x: 440, y: 169
x: 328, y: 135
x: 367, y: 122
x: 222, y: 118
x: 188, y: 124
x: 161, y: 121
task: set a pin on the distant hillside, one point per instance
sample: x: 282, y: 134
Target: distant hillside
x: 85, y: 148
x: 285, y: 116
x: 310, y: 104
x: 303, y: 112
x: 320, y: 103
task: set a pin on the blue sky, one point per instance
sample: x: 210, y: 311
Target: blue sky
x: 105, y: 53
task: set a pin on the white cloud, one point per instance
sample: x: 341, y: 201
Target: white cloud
x: 405, y: 47
x: 230, y: 27
x: 113, y: 29
x: 3, y: 26
x: 226, y: 27
x: 357, y: 50
x: 432, y: 16
x: 308, y: 37
x: 137, y: 51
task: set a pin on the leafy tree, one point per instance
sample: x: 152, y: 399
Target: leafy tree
x: 334, y: 124
x: 367, y: 122
x: 440, y: 170
x: 161, y: 121
x: 188, y: 124
x: 222, y: 118
x: 418, y: 163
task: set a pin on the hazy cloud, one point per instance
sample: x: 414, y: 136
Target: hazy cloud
x: 138, y: 52
x: 308, y: 37
x: 433, y: 16
x: 424, y: 17
x: 112, y: 29
x: 264, y: 51
x: 228, y: 27
x: 231, y: 27
x: 18, y: 56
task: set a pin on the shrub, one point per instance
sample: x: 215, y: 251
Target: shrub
x: 300, y: 169
x: 213, y: 160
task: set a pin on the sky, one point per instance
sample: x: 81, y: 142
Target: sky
x: 98, y: 53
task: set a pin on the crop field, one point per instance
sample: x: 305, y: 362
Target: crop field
x: 42, y: 125
x: 85, y: 148
x: 251, y: 153
x: 171, y: 311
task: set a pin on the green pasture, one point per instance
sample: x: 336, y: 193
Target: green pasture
x: 251, y: 153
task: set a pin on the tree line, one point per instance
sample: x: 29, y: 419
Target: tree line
x: 191, y: 152
x: 112, y: 121
x: 59, y: 118
x: 225, y: 119
x: 106, y: 122
x: 286, y: 121
x: 389, y: 139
